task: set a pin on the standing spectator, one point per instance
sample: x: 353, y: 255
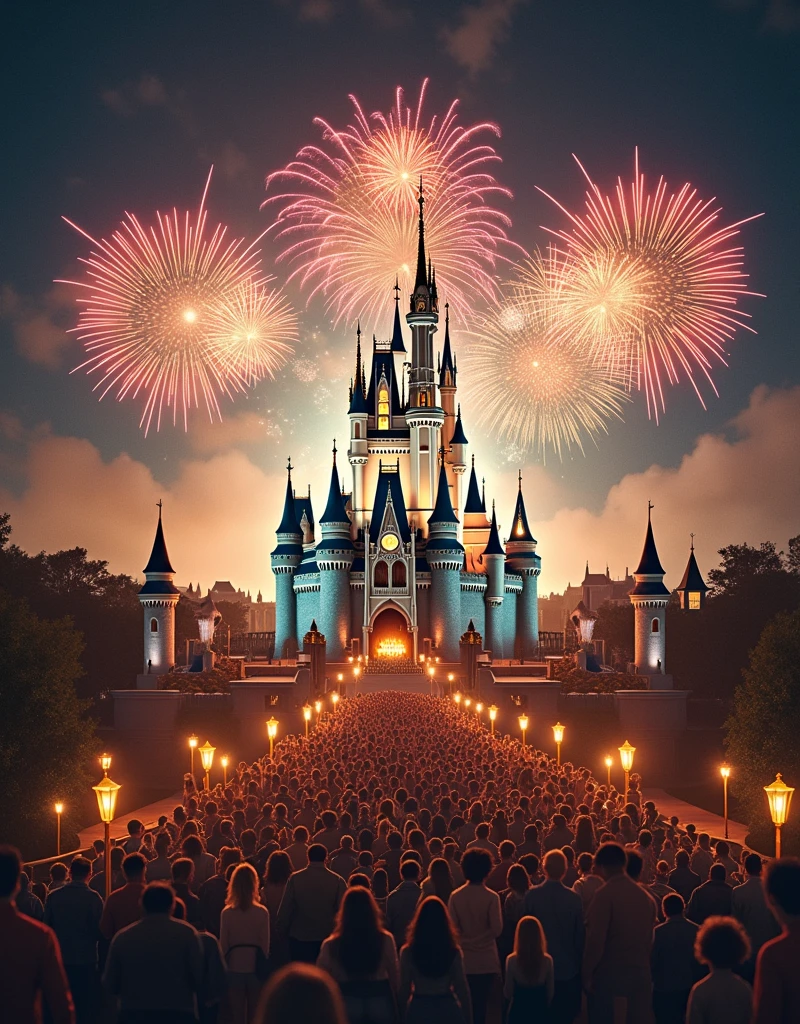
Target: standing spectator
x: 390, y: 861
x: 244, y: 938
x: 702, y: 858
x: 279, y: 870
x: 123, y: 906
x: 31, y: 972
x: 644, y: 848
x: 619, y: 938
x: 477, y: 916
x: 301, y: 992
x: 214, y: 891
x: 154, y: 970
x: 27, y: 902
x: 74, y: 912
x: 159, y: 869
x: 182, y: 871
x: 529, y: 974
x: 344, y: 861
x: 98, y: 879
x: 309, y: 906
x: 777, y: 985
x: 558, y: 835
x: 722, y: 997
x: 135, y: 836
x: 58, y: 876
x: 675, y: 968
x: 439, y: 881
x: 433, y: 985
x: 518, y: 886
x: 560, y: 912
x: 401, y: 904
x: 297, y: 850
x: 587, y: 883
x: 379, y: 887
x: 713, y: 898
x: 722, y: 855
x: 361, y: 957
x: 749, y: 907
x: 204, y: 864
x: 682, y: 879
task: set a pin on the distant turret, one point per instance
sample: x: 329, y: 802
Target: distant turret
x: 649, y: 598
x: 158, y: 598
x: 286, y: 557
x: 521, y: 557
x: 335, y: 555
x: 494, y: 561
x: 445, y: 557
x: 692, y: 589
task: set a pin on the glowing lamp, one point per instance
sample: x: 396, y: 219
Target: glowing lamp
x: 307, y: 712
x: 479, y: 707
x: 335, y: 699
x: 558, y: 732
x: 431, y: 671
x: 626, y: 752
x: 193, y: 741
x: 450, y: 677
x: 457, y: 696
x: 725, y: 771
x: 105, y: 763
x: 59, y: 808
x: 224, y: 761
x: 493, y: 712
x: 780, y: 799
x: 207, y: 756
x: 272, y: 728
x: 609, y: 760
x: 340, y: 677
x: 318, y: 706
x: 523, y: 724
x: 106, y: 793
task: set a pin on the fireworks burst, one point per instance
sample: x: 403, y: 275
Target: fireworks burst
x: 348, y: 210
x: 652, y: 283
x: 152, y: 298
x: 252, y: 331
x: 530, y: 384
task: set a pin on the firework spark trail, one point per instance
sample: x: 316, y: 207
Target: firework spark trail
x: 654, y: 282
x: 147, y: 306
x: 252, y: 330
x: 348, y: 212
x: 530, y: 383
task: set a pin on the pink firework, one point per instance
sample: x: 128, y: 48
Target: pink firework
x: 651, y: 283
x: 347, y: 211
x: 150, y: 306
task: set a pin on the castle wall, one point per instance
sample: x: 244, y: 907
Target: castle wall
x: 356, y: 611
x: 472, y: 607
x: 446, y: 611
x: 650, y: 647
x: 334, y: 610
x: 509, y: 623
x: 285, y: 613
x: 423, y: 614
x: 159, y: 643
x: 307, y: 611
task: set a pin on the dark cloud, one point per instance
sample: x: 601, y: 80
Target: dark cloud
x: 38, y: 326
x: 482, y: 27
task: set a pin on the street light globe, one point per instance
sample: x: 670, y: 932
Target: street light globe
x: 431, y: 671
x: 207, y: 756
x: 59, y: 807
x: 523, y: 722
x: 457, y: 696
x: 609, y: 760
x: 558, y: 732
x: 780, y: 799
x: 105, y: 762
x: 725, y: 771
x: 272, y: 728
x: 626, y: 752
x: 357, y: 671
x: 224, y: 760
x: 193, y: 741
x: 468, y: 702
x: 307, y: 712
x: 450, y: 677
x: 106, y: 793
x: 493, y: 712
x: 318, y: 706
x: 340, y: 677
x: 335, y: 697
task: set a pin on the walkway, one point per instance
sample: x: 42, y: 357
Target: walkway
x: 148, y: 815
x: 705, y: 821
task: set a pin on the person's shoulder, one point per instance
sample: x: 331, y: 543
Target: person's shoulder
x: 22, y: 924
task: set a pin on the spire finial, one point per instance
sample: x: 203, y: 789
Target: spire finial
x: 447, y: 312
x: 289, y: 467
x: 492, y: 506
x: 421, y: 279
x: 442, y: 451
x: 358, y: 330
x: 334, y: 451
x: 160, y: 504
x: 519, y: 478
x: 692, y: 536
x: 396, y: 288
x: 650, y: 507
x: 473, y: 460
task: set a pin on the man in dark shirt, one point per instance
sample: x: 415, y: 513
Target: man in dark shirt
x: 123, y: 906
x: 74, y: 912
x: 713, y: 898
x: 214, y: 890
x: 675, y: 968
x: 682, y: 879
x: 182, y: 873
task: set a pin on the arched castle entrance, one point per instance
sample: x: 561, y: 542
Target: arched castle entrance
x: 391, y: 636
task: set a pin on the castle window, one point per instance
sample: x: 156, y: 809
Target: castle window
x: 399, y: 574
x: 694, y: 601
x: 381, y: 575
x: 655, y: 626
x: 423, y: 398
x: 154, y: 625
x: 358, y: 431
x: 383, y: 407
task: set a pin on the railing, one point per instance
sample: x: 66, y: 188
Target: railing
x: 254, y: 645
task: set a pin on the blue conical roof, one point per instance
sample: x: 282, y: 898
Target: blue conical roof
x: 443, y: 509
x: 649, y: 563
x: 473, y: 502
x: 398, y: 344
x: 289, y: 523
x: 447, y: 365
x: 159, y: 559
x: 335, y: 511
x: 520, y: 529
x: 358, y: 400
x: 459, y: 437
x: 494, y: 547
x: 692, y: 578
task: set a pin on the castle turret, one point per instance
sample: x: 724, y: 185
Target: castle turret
x: 494, y: 562
x: 335, y: 555
x: 447, y: 383
x: 358, y: 455
x: 649, y: 598
x: 693, y: 588
x: 458, y: 467
x: 522, y: 558
x: 158, y: 598
x: 285, y: 559
x: 445, y: 557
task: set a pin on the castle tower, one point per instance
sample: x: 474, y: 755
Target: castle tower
x: 494, y: 561
x: 445, y: 557
x: 447, y: 383
x: 285, y: 559
x: 649, y: 598
x: 692, y: 588
x: 458, y: 466
x: 475, y: 524
x: 158, y: 598
x: 522, y: 558
x: 424, y: 418
x: 358, y: 455
x: 335, y: 555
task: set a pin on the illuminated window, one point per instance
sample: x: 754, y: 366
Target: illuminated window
x: 694, y: 600
x: 383, y: 408
x: 381, y: 575
x: 154, y: 625
x: 399, y: 574
x: 423, y: 399
x: 358, y: 431
x: 655, y: 626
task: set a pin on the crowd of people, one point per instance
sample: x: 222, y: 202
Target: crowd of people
x: 403, y: 864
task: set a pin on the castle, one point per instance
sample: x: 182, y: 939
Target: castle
x: 409, y: 554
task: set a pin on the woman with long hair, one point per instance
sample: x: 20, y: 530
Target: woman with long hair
x: 518, y: 885
x: 379, y: 885
x: 439, y: 881
x: 244, y: 937
x: 529, y: 974
x: 361, y: 957
x: 301, y: 992
x: 584, y: 841
x: 279, y: 868
x: 433, y: 985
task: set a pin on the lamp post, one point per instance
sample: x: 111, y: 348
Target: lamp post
x: 207, y: 758
x: 59, y: 808
x: 609, y: 761
x: 106, y: 793
x: 272, y: 732
x: 356, y: 674
x: 780, y: 799
x: 193, y: 741
x: 450, y: 680
x: 478, y: 709
x: 467, y: 703
x: 224, y: 761
x: 105, y: 763
x: 558, y: 736
x: 725, y: 772
x: 318, y: 709
x: 523, y: 724
x: 306, y: 716
x: 335, y: 698
x: 626, y: 752
x: 492, y: 715
x: 457, y: 698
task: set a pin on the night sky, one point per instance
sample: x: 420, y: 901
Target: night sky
x: 109, y: 108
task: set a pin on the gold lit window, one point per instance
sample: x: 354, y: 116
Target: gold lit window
x: 383, y: 408
x: 694, y: 600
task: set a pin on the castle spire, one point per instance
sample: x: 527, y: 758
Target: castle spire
x: 335, y: 511
x: 459, y: 437
x: 447, y: 370
x: 493, y: 546
x: 443, y: 509
x: 520, y: 529
x: 473, y: 502
x: 289, y: 522
x: 398, y: 345
x: 159, y: 559
x: 421, y: 279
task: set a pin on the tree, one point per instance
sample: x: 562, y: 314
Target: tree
x: 740, y: 563
x: 46, y: 741
x: 793, y: 556
x: 762, y: 733
x: 615, y: 626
